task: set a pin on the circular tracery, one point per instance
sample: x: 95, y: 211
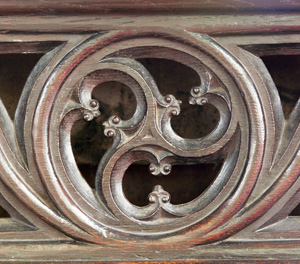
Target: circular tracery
x: 65, y: 99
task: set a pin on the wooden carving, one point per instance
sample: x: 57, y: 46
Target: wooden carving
x: 249, y: 199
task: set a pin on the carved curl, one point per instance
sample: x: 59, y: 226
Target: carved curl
x: 59, y: 91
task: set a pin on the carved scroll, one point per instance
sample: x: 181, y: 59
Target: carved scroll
x: 259, y: 147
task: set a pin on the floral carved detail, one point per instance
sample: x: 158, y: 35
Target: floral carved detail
x: 41, y: 171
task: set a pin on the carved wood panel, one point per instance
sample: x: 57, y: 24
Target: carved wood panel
x: 249, y: 200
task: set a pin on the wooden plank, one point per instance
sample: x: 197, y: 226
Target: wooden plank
x: 207, y: 24
x: 72, y: 252
x: 107, y: 6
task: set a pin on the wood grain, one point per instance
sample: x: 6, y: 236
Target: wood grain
x: 242, y: 217
x: 106, y: 6
x: 206, y: 23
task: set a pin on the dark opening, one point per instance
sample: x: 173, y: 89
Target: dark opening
x: 3, y: 213
x: 296, y: 211
x: 14, y: 71
x: 285, y: 71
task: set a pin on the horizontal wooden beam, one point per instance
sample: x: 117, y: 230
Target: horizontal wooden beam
x: 208, y: 24
x: 108, y: 6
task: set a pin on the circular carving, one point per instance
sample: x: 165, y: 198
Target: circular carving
x: 65, y: 97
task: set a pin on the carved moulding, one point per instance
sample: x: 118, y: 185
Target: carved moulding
x: 259, y: 147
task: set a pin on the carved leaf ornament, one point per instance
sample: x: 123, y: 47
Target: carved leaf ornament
x: 251, y: 136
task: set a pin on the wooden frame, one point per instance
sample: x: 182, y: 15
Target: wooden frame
x: 242, y: 217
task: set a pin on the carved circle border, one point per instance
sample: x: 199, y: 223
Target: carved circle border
x: 96, y: 224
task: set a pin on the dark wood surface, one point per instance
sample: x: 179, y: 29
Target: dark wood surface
x: 100, y: 7
x: 70, y: 252
x: 212, y: 24
x: 243, y: 216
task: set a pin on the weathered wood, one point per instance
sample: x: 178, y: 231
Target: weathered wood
x: 107, y: 6
x: 243, y: 216
x: 220, y: 24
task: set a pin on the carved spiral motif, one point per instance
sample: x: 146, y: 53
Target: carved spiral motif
x: 60, y: 98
